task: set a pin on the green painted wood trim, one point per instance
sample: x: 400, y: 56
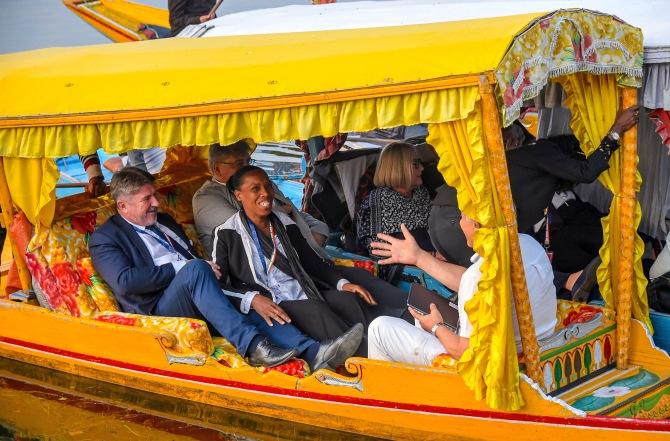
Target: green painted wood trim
x: 576, y: 343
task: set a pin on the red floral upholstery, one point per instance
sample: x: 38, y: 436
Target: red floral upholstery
x: 184, y: 340
x: 65, y: 279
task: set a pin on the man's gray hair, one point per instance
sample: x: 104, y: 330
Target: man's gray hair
x: 128, y: 181
x: 218, y: 152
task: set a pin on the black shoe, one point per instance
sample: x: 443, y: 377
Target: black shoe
x: 586, y: 281
x: 268, y: 355
x: 334, y: 353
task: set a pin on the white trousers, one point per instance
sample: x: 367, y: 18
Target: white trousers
x: 393, y: 339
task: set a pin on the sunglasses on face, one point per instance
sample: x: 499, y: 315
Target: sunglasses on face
x: 416, y: 163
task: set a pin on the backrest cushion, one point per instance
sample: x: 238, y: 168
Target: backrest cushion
x: 58, y: 258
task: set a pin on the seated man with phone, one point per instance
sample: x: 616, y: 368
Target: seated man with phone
x: 394, y: 339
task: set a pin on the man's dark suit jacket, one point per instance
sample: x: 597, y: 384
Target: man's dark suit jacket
x: 539, y: 169
x: 123, y: 260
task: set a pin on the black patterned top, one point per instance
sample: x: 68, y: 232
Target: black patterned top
x: 385, y: 209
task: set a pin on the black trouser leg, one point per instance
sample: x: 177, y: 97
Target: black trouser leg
x: 390, y: 299
x: 315, y: 318
x: 329, y: 319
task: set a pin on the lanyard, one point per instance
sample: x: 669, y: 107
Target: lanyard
x: 161, y: 240
x: 547, y: 237
x: 259, y: 249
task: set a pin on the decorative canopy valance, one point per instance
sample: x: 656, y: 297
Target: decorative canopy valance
x: 562, y: 43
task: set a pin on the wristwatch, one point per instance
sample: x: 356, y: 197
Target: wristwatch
x: 614, y: 136
x: 433, y: 330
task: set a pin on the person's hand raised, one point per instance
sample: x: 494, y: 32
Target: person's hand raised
x: 626, y: 119
x: 405, y: 251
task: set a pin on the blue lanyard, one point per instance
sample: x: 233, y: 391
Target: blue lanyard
x: 259, y: 249
x: 161, y: 240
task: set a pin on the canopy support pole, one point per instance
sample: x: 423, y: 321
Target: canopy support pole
x: 496, y: 151
x: 627, y: 234
x: 7, y: 216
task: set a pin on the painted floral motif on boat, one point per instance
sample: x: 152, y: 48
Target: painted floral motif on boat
x: 583, y: 343
x: 618, y: 389
x: 566, y: 42
x: 653, y: 406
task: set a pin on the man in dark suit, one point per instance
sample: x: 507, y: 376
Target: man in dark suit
x: 153, y: 269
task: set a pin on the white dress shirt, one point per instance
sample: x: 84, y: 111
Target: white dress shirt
x: 159, y: 252
x: 281, y: 285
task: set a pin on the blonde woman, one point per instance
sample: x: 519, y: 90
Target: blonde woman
x: 400, y: 198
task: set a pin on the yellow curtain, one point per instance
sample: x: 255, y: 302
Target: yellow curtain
x: 300, y: 122
x: 32, y: 186
x: 593, y: 101
x: 489, y: 366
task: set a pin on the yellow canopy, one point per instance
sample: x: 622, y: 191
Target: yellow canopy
x: 172, y: 78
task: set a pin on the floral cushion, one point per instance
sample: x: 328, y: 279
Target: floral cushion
x: 65, y: 279
x: 184, y: 340
x: 366, y: 264
x: 226, y: 355
x: 444, y: 361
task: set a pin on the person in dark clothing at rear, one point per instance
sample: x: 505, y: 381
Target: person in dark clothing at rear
x: 189, y: 12
x: 539, y: 169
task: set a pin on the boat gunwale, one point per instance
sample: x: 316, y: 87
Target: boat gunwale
x: 589, y: 421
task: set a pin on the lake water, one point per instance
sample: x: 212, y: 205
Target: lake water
x: 37, y: 403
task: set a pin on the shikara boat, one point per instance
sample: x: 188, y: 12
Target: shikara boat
x: 654, y: 96
x: 599, y: 375
x: 121, y: 20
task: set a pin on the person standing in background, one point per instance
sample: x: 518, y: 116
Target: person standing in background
x: 189, y: 12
